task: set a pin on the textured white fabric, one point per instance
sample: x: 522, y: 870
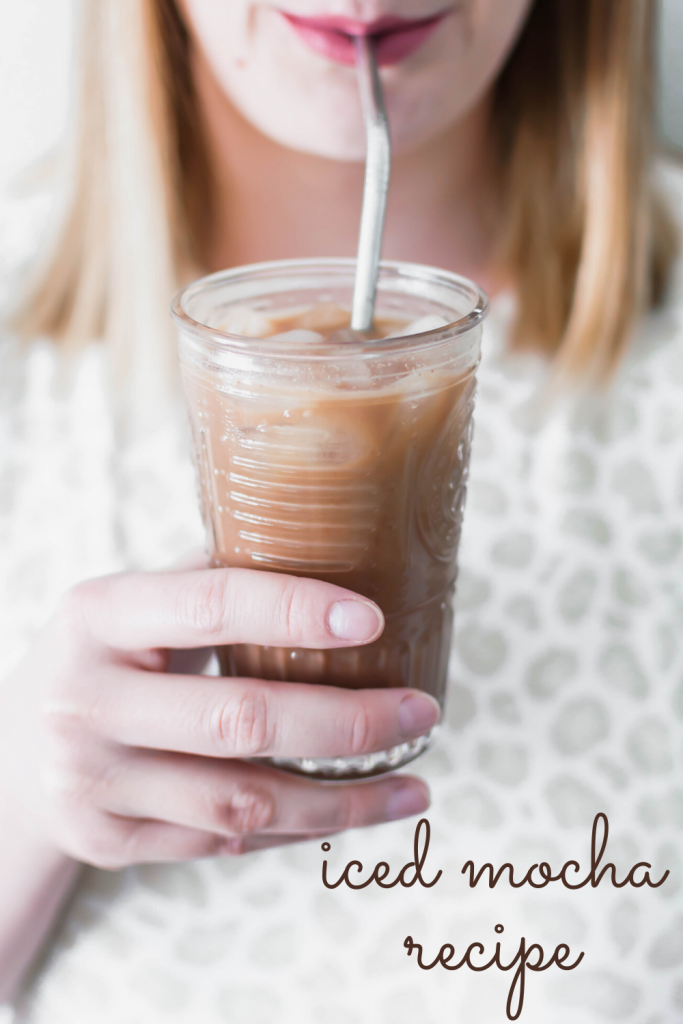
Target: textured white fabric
x: 566, y: 699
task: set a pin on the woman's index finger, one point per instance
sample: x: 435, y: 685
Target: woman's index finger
x: 133, y: 611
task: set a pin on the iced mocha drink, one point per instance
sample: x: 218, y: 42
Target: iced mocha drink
x: 321, y: 453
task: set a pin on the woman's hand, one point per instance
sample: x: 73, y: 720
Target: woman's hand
x: 117, y: 762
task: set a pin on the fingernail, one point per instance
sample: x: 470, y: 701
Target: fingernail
x: 406, y: 800
x: 355, y: 620
x: 417, y: 714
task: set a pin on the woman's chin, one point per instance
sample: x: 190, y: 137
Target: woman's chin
x: 334, y: 129
x: 336, y: 142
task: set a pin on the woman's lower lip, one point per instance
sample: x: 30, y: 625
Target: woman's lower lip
x: 394, y: 38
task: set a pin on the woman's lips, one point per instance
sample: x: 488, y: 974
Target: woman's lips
x: 394, y: 38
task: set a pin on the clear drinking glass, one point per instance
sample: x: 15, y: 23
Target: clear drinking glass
x: 342, y: 460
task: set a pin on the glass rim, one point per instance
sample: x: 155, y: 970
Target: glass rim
x: 268, y: 346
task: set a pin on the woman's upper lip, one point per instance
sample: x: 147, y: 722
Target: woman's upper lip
x: 394, y: 39
x: 351, y: 27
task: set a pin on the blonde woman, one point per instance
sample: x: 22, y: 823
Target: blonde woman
x: 209, y: 134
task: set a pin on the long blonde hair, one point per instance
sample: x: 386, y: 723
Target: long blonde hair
x: 587, y: 238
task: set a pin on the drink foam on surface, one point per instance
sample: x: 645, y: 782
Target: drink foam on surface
x: 325, y: 321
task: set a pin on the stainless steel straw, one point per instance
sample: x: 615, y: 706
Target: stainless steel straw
x: 376, y: 187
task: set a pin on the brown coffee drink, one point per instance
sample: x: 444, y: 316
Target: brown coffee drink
x: 349, y: 470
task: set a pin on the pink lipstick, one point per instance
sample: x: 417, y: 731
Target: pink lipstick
x: 394, y: 38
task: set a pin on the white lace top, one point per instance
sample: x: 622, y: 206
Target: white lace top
x: 566, y: 699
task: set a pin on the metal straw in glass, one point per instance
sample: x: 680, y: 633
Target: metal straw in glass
x: 376, y: 187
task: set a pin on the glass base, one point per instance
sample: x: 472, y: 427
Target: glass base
x: 361, y: 767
